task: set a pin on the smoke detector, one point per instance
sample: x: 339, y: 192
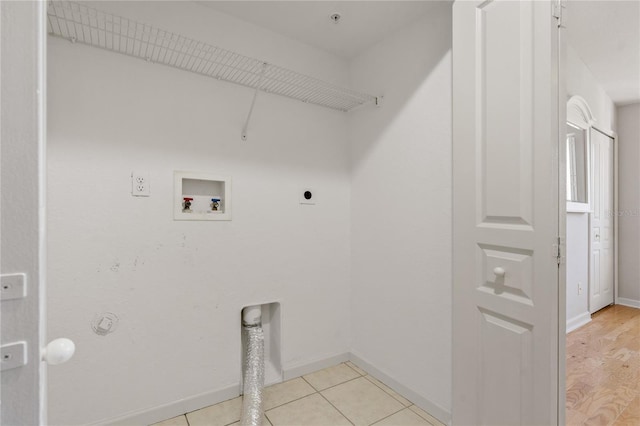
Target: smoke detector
x: 335, y: 17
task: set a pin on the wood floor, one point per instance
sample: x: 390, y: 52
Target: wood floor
x: 603, y: 369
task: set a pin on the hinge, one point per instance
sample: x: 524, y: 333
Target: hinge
x: 558, y: 248
x: 557, y: 10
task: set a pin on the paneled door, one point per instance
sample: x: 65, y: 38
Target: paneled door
x: 506, y: 140
x: 602, y: 260
x: 22, y: 242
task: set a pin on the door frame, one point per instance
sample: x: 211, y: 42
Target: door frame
x: 562, y: 220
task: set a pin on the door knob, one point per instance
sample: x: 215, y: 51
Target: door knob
x: 499, y: 272
x: 58, y: 351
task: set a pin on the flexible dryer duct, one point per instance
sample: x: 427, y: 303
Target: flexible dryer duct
x: 252, y: 403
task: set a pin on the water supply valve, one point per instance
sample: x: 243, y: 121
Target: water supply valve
x: 215, y: 204
x: 186, y: 204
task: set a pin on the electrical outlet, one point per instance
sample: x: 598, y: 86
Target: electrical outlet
x: 140, y: 184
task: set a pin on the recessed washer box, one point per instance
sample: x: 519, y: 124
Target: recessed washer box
x: 201, y: 196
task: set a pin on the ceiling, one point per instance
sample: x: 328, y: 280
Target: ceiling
x: 606, y: 36
x: 362, y: 23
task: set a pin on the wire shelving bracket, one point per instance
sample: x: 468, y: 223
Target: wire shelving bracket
x: 83, y: 24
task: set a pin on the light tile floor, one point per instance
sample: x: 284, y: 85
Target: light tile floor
x: 340, y: 395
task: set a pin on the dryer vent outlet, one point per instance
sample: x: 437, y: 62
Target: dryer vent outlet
x: 308, y: 196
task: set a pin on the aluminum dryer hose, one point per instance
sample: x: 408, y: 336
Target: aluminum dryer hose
x: 253, y: 384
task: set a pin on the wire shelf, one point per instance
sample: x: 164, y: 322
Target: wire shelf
x: 80, y: 23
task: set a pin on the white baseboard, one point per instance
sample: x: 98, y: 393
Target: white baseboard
x: 300, y: 370
x: 173, y: 409
x: 578, y: 321
x: 432, y: 408
x: 628, y: 302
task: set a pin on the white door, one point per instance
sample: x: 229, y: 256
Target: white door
x: 601, y: 276
x: 22, y: 127
x: 506, y: 140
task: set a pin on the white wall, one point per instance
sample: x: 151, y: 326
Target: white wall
x: 577, y: 270
x: 628, y: 127
x: 401, y: 210
x: 581, y: 82
x: 178, y: 287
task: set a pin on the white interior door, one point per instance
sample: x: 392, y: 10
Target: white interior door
x: 506, y: 212
x: 602, y: 247
x: 21, y: 235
